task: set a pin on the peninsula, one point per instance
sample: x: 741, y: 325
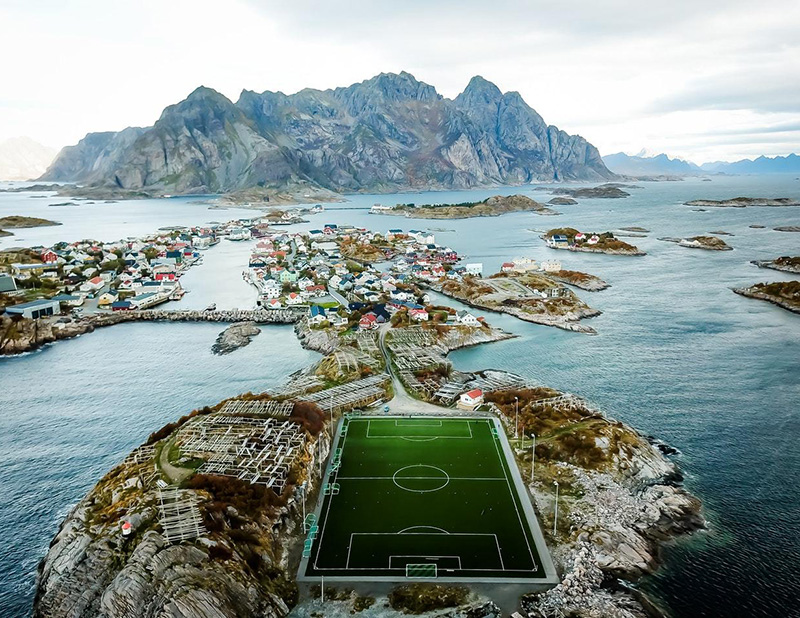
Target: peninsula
x: 490, y: 207
x: 214, y: 512
x: 588, y: 242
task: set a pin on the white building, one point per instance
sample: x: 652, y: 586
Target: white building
x: 471, y: 399
x: 551, y: 266
x: 476, y: 269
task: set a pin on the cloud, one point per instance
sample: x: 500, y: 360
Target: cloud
x: 623, y: 74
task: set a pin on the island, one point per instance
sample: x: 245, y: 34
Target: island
x: 490, y: 207
x: 709, y: 243
x: 744, y: 202
x: 606, y: 191
x: 784, y: 263
x: 588, y: 242
x: 214, y: 513
x: 562, y: 201
x: 20, y: 222
x: 787, y: 228
x: 785, y: 294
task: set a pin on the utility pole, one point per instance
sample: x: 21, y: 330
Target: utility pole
x: 516, y: 418
x: 533, y: 455
x: 555, y: 516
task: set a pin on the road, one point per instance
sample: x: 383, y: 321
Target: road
x: 402, y: 402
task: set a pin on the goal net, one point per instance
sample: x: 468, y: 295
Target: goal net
x: 421, y: 570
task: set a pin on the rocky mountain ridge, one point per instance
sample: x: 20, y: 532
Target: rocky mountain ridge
x: 388, y: 133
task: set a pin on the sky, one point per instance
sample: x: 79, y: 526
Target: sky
x: 699, y: 79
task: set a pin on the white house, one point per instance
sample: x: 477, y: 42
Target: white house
x: 551, y: 266
x: 471, y: 399
x: 476, y: 269
x: 467, y: 319
x: 294, y: 299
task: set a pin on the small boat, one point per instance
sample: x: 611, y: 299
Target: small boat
x: 211, y: 307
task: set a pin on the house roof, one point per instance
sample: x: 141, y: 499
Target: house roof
x: 474, y: 393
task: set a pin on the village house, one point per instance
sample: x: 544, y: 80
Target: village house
x: 470, y: 400
x: 465, y: 318
x: 419, y: 315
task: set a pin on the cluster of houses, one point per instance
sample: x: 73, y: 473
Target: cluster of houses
x: 293, y: 269
x: 526, y: 265
x: 136, y: 273
x: 561, y: 241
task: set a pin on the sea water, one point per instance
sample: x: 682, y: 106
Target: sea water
x: 678, y: 355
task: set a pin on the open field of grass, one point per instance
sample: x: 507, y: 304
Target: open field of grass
x: 412, y: 498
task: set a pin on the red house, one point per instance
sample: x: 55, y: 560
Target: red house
x: 368, y: 321
x: 49, y: 256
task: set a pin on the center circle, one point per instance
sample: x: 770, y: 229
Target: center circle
x: 421, y: 478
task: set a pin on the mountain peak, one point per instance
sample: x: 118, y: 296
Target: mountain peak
x: 480, y: 88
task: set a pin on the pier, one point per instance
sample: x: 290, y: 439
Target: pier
x: 259, y: 316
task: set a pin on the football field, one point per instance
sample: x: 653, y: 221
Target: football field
x: 423, y: 497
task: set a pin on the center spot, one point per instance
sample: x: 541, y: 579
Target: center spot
x: 421, y: 478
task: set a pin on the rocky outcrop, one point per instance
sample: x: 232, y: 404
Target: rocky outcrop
x: 709, y: 243
x: 387, y: 133
x: 744, y: 202
x: 234, y: 337
x: 607, y: 191
x: 785, y: 294
x: 784, y: 263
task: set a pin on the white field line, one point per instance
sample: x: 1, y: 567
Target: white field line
x: 424, y: 558
x: 511, y: 493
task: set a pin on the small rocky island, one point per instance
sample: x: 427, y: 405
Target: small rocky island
x: 490, y: 207
x: 744, y: 202
x: 709, y: 243
x: 588, y: 242
x: 785, y: 294
x: 609, y: 190
x: 784, y: 263
x: 20, y: 222
x: 234, y: 337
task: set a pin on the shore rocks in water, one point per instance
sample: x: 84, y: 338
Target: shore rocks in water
x: 787, y: 228
x: 234, y: 337
x: 709, y: 243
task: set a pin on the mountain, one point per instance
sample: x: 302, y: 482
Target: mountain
x: 762, y: 165
x: 391, y: 132
x: 21, y: 158
x: 644, y: 164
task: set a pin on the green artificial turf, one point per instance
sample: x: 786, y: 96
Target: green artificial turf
x: 417, y: 491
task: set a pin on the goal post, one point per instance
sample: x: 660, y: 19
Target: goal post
x: 421, y: 571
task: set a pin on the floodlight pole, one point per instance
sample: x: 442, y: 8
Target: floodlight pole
x: 516, y: 418
x: 533, y: 455
x: 555, y: 517
x: 322, y: 588
x: 303, y: 488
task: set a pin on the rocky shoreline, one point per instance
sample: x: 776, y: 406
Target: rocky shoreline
x: 784, y: 264
x: 783, y: 294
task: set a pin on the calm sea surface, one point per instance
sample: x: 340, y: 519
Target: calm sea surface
x: 678, y: 355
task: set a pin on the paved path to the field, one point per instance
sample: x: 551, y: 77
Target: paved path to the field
x: 402, y: 402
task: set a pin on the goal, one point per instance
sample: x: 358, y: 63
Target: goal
x: 417, y: 571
